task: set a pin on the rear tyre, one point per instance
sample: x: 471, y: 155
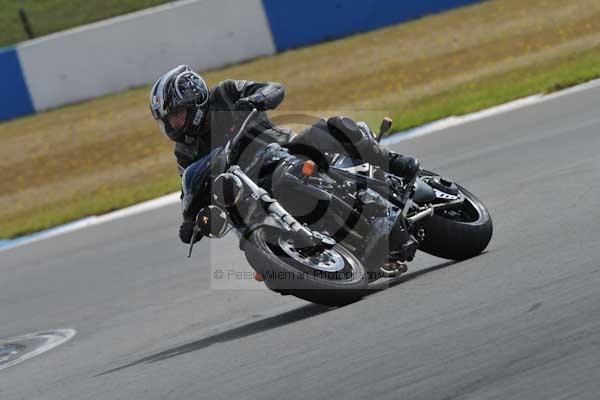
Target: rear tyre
x: 334, y: 277
x: 458, y: 234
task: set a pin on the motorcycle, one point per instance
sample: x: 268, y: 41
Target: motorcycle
x: 323, y: 227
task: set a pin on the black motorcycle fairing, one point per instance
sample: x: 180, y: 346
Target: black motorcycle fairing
x: 309, y: 151
x: 308, y: 203
x: 264, y: 163
x: 366, y: 213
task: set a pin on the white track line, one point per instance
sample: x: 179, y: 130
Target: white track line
x: 146, y: 206
x: 426, y: 129
x: 53, y: 339
x: 453, y: 121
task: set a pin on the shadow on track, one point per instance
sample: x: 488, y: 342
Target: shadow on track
x: 304, y: 312
x: 239, y: 332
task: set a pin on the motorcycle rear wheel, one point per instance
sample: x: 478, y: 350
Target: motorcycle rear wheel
x: 460, y: 233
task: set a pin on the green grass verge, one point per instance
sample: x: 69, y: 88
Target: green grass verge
x: 498, y: 89
x: 48, y: 16
x: 94, y: 203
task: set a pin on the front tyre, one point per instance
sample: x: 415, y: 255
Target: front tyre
x: 459, y: 233
x: 331, y: 277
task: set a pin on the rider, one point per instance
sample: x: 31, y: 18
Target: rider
x: 197, y: 119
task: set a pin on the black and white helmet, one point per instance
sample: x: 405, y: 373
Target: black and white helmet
x: 180, y: 88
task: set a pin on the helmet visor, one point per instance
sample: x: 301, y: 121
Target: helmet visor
x: 173, y: 124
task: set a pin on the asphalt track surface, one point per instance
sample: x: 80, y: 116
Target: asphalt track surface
x: 521, y: 321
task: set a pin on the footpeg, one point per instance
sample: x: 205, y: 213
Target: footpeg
x: 393, y: 269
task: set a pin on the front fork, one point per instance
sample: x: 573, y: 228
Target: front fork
x: 304, y: 236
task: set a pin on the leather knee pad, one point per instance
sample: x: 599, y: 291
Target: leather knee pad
x: 345, y: 130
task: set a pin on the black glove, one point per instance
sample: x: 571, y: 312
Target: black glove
x: 248, y: 103
x: 186, y: 231
x: 244, y: 104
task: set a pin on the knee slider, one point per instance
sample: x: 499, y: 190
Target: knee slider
x: 344, y: 130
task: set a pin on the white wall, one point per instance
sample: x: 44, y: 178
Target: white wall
x: 135, y: 49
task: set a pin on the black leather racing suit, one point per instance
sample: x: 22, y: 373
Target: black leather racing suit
x: 224, y: 118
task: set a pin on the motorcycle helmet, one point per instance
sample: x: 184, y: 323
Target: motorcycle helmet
x: 179, y: 103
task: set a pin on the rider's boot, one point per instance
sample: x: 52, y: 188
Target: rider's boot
x: 363, y: 146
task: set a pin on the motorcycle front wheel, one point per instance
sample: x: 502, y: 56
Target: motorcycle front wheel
x: 331, y: 277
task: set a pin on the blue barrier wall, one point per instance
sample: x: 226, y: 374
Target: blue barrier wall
x: 299, y: 23
x: 55, y: 70
x: 15, y: 99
